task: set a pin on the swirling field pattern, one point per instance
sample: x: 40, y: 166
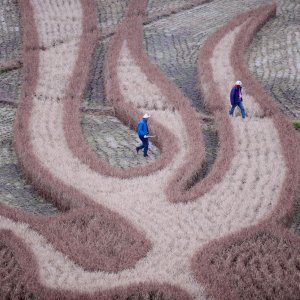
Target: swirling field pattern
x: 150, y: 231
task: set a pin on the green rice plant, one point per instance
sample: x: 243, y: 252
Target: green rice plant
x: 9, y: 66
x: 296, y: 124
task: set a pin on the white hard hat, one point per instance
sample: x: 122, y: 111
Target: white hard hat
x: 239, y: 83
x: 146, y: 116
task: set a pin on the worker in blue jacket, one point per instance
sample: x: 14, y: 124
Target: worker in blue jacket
x: 143, y: 132
x: 236, y: 99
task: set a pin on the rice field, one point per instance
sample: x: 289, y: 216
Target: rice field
x: 210, y: 214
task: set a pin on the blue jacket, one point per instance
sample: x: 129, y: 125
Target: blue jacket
x: 142, y: 128
x: 236, y: 95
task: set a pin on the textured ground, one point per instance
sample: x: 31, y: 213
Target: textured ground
x: 174, y: 33
x: 173, y: 43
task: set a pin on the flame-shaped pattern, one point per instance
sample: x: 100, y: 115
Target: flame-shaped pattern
x: 138, y: 231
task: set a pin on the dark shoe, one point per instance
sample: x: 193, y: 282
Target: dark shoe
x: 145, y: 155
x: 137, y: 150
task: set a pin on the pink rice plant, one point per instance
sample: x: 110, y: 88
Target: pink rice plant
x: 70, y: 199
x: 86, y: 222
x: 64, y: 196
x: 260, y: 261
x: 20, y: 279
x: 125, y: 112
x: 177, y: 189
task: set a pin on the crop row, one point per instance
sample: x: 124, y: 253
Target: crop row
x: 149, y: 229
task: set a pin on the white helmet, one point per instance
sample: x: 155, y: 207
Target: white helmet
x: 239, y: 83
x: 146, y: 116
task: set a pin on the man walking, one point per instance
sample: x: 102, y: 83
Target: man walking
x: 143, y: 132
x: 236, y: 99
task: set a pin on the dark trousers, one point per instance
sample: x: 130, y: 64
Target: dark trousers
x: 242, y: 108
x: 145, y: 144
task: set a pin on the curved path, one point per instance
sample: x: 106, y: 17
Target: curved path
x: 153, y: 239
